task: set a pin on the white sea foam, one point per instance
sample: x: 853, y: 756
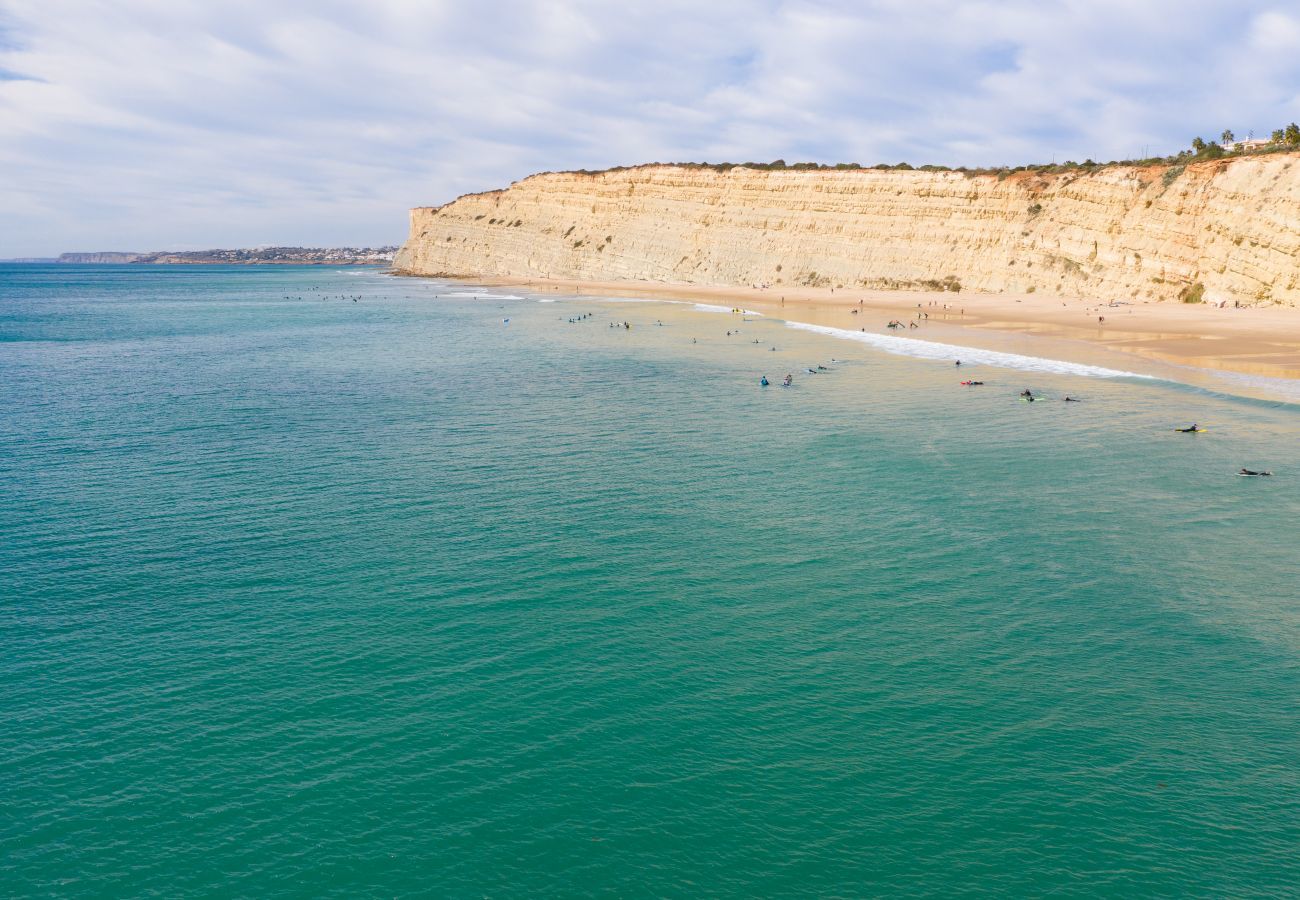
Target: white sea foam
x: 932, y: 350
x: 485, y: 296
x: 709, y: 307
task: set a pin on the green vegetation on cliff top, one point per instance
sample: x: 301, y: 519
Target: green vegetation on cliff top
x: 1282, y: 140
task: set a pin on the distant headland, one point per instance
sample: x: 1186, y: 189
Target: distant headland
x: 316, y: 256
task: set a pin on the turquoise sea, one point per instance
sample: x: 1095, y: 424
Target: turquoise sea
x: 302, y: 595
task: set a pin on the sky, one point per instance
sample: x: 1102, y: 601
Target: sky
x: 191, y: 124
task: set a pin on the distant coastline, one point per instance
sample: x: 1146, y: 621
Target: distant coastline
x: 317, y: 256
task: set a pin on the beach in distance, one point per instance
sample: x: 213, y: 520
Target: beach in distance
x: 1250, y: 341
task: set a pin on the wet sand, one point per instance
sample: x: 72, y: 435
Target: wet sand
x: 1250, y: 341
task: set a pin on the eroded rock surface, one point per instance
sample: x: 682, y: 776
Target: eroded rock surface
x: 1225, y: 230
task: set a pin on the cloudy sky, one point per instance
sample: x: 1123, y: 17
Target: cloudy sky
x: 188, y: 124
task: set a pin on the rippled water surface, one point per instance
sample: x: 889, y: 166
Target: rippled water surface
x: 301, y: 595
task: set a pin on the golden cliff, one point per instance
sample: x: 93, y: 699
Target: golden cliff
x: 1224, y: 230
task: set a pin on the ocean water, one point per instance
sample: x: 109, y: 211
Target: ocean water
x: 306, y: 596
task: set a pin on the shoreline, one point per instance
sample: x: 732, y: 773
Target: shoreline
x: 1245, y: 341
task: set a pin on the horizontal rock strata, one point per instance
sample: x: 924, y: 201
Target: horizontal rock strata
x: 1224, y: 230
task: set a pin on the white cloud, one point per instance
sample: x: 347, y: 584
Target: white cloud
x: 149, y: 124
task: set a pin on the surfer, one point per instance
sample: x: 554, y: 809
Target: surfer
x: 1253, y: 472
x: 789, y: 380
x: 763, y: 381
x: 1191, y: 429
x: 1071, y: 400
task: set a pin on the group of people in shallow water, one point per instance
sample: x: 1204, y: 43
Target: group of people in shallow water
x: 789, y: 379
x: 1027, y: 394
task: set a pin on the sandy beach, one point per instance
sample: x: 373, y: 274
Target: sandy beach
x: 1261, y: 341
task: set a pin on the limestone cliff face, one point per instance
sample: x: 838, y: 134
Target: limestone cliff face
x: 1232, y: 226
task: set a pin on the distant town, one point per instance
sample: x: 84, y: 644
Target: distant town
x: 318, y: 256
